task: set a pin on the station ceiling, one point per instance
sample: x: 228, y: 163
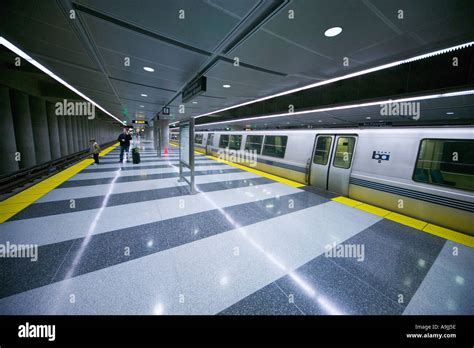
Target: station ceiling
x: 279, y: 44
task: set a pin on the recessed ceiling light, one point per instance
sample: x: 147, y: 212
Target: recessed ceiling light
x: 450, y: 113
x: 331, y: 32
x: 142, y: 106
x: 195, y: 102
x: 144, y: 95
x: 320, y: 121
x: 147, y: 68
x: 368, y: 118
x: 226, y: 86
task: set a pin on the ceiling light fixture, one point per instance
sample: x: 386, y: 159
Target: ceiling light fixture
x: 26, y: 57
x: 344, y: 77
x: 331, y: 32
x: 351, y: 106
x: 147, y: 68
x: 226, y: 86
x: 144, y: 95
x: 450, y: 113
x: 195, y: 102
x: 142, y: 106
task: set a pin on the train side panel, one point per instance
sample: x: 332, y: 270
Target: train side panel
x: 389, y: 183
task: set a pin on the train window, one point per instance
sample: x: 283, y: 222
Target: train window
x: 224, y: 141
x: 274, y: 146
x: 323, y: 147
x: 198, y: 138
x: 446, y: 162
x: 235, y: 141
x: 254, y: 143
x: 344, y: 150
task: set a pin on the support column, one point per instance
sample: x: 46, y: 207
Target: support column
x: 23, y: 130
x: 85, y: 141
x: 163, y: 126
x: 75, y: 133
x: 62, y: 130
x: 53, y: 130
x: 70, y: 134
x: 148, y: 133
x: 93, y: 130
x: 89, y: 131
x: 80, y: 131
x: 155, y: 134
x: 39, y: 121
x: 8, y: 164
x: 99, y: 131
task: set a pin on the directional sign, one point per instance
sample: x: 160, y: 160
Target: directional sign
x: 140, y: 122
x: 194, y: 89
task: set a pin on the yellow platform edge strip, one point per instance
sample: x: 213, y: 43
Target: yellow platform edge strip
x: 251, y: 170
x: 14, y: 204
x: 420, y: 225
x: 424, y: 226
x: 256, y: 171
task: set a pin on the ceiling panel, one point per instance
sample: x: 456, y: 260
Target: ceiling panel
x: 162, y: 17
x: 295, y: 50
x: 129, y: 43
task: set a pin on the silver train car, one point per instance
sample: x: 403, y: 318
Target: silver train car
x: 425, y: 173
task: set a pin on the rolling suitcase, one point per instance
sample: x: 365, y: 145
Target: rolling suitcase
x: 135, y: 156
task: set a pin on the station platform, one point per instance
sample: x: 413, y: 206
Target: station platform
x: 127, y: 238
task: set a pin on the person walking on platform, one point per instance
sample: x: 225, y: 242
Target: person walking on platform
x: 124, y: 140
x: 95, y: 150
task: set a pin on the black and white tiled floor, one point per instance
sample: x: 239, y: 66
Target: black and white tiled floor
x: 135, y: 242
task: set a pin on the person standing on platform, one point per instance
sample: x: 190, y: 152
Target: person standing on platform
x: 95, y: 150
x: 124, y: 140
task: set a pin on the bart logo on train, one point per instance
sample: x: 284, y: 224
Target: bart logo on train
x: 381, y: 156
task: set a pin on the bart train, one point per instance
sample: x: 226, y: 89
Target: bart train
x: 425, y: 173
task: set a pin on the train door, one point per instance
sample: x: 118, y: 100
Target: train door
x: 210, y: 139
x: 332, y: 162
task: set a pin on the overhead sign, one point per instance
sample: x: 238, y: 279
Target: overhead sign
x: 140, y: 122
x: 194, y: 89
x: 165, y: 111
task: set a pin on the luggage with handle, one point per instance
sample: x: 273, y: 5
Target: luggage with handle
x: 135, y: 155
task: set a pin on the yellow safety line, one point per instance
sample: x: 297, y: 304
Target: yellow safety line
x: 424, y: 226
x: 14, y: 204
x: 251, y: 170
x: 258, y: 172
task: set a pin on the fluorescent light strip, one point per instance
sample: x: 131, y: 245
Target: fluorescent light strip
x: 348, y: 76
x: 25, y: 56
x: 352, y: 106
